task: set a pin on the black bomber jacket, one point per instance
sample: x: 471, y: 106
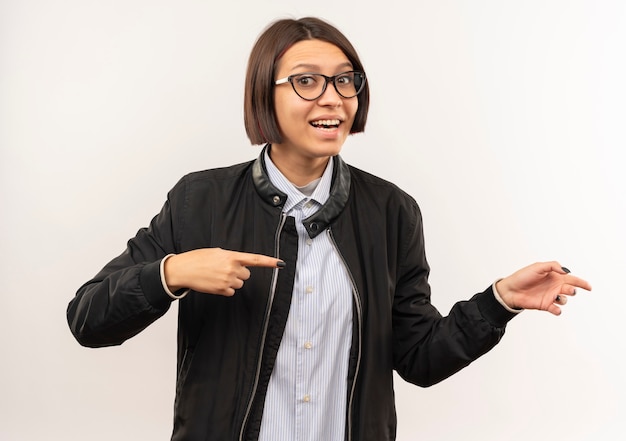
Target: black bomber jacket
x: 227, y: 346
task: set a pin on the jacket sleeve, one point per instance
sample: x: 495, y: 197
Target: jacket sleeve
x: 427, y: 346
x: 127, y: 295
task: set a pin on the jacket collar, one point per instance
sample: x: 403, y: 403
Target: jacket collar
x: 321, y: 219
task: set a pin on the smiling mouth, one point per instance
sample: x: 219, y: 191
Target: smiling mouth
x: 327, y: 124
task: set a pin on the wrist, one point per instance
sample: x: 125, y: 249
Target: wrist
x: 505, y: 297
x: 174, y: 288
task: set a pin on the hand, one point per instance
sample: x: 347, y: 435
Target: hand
x: 542, y: 286
x: 213, y: 270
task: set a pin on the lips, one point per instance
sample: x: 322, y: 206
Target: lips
x: 326, y: 123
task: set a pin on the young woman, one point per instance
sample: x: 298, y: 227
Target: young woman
x: 302, y: 282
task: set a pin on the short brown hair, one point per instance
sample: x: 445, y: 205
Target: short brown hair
x: 259, y: 113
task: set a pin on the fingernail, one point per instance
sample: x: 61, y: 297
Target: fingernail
x: 565, y: 269
x: 281, y: 264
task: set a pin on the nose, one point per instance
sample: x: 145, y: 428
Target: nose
x: 330, y: 97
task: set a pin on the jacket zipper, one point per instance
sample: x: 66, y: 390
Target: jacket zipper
x: 281, y: 224
x: 359, y: 311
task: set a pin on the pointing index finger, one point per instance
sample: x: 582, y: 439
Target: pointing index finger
x: 261, y: 260
x: 575, y: 281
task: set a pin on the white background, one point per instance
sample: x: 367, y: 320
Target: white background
x: 504, y: 119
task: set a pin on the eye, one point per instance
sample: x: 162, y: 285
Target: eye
x: 345, y: 79
x: 306, y: 81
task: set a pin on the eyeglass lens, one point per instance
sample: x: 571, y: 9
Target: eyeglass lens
x: 312, y: 86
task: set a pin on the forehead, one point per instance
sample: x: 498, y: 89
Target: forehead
x: 313, y: 55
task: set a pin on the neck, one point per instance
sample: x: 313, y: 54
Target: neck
x: 297, y: 169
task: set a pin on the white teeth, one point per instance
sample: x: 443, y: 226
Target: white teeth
x: 326, y: 122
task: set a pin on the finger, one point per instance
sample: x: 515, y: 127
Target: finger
x: 568, y: 290
x: 236, y: 284
x: 243, y: 273
x: 580, y: 283
x: 571, y: 279
x: 560, y: 299
x: 250, y: 259
x: 230, y: 289
x: 577, y: 282
x: 555, y: 266
x: 237, y: 278
x: 228, y: 292
x: 554, y: 309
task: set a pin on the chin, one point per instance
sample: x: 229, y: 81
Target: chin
x: 328, y: 150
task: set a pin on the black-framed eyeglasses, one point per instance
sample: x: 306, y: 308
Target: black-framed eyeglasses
x: 311, y: 86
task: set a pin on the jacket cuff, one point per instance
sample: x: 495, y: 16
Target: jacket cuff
x: 150, y: 280
x: 492, y: 310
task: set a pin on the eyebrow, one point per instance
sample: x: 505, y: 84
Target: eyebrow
x: 315, y: 66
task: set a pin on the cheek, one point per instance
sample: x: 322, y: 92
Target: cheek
x: 351, y: 109
x: 291, y: 111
